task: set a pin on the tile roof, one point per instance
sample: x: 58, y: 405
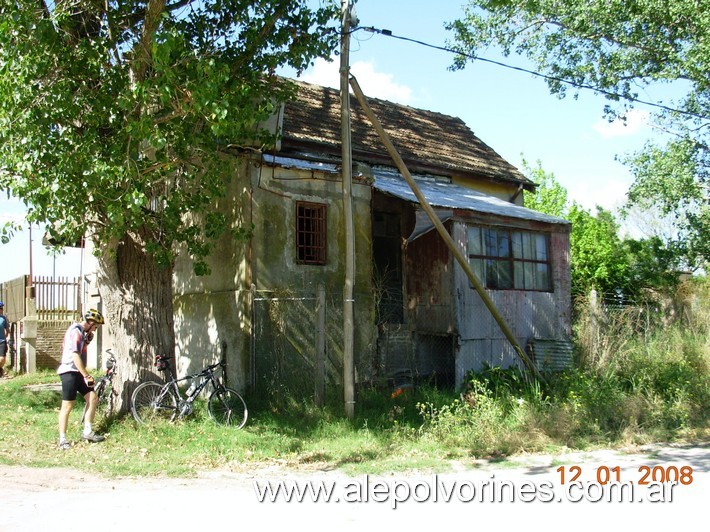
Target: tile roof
x: 427, y: 141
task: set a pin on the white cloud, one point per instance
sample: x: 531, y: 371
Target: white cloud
x: 636, y: 120
x: 323, y: 73
x: 608, y: 194
x: 374, y: 84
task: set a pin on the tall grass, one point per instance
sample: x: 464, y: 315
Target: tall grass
x: 642, y: 381
x: 639, y: 377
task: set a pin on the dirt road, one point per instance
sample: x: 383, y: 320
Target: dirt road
x: 526, y: 491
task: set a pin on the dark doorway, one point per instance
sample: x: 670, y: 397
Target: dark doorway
x: 387, y: 253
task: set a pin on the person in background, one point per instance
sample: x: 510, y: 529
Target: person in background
x: 4, y: 337
x: 76, y: 378
x: 4, y: 333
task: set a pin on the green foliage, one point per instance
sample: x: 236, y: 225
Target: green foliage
x: 550, y: 196
x: 598, y: 260
x: 654, y: 390
x: 682, y: 193
x: 618, y: 47
x: 113, y: 117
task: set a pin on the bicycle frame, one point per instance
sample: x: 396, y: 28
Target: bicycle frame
x: 206, y: 376
x: 152, y: 399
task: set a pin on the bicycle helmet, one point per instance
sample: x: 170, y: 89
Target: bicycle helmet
x: 95, y: 316
x: 2, y: 304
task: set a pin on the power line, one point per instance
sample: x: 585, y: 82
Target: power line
x: 388, y: 33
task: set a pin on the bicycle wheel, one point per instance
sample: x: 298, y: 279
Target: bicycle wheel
x: 227, y: 407
x: 152, y: 401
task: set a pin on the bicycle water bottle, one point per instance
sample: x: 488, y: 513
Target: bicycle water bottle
x: 192, y: 388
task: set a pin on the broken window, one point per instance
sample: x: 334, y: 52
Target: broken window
x: 310, y: 233
x: 510, y: 260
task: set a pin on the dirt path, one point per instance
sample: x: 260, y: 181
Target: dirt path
x: 61, y: 499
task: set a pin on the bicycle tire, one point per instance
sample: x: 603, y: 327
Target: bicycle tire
x: 227, y: 407
x: 151, y: 401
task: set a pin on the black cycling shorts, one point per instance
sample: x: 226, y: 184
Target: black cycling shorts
x: 73, y: 383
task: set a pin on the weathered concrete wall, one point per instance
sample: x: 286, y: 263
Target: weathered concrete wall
x: 212, y: 310
x: 218, y: 308
x: 275, y: 191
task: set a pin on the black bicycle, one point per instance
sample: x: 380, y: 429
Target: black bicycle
x: 153, y: 400
x: 105, y: 392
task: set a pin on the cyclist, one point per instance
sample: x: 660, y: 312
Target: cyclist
x: 76, y: 378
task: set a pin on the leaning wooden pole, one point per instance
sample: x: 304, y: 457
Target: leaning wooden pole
x: 460, y: 258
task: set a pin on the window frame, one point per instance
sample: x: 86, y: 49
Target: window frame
x: 311, y: 233
x: 502, y: 271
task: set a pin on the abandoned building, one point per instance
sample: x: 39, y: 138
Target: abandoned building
x: 274, y: 298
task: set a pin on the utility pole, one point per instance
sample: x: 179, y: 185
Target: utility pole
x: 346, y: 170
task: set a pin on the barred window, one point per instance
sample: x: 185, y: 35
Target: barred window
x: 510, y: 260
x: 310, y: 233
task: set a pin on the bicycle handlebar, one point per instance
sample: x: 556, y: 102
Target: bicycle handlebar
x: 207, y: 371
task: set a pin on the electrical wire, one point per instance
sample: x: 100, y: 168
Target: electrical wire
x: 388, y: 33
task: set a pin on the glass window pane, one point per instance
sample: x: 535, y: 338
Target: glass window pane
x: 519, y: 271
x: 528, y: 246
x: 505, y: 277
x: 541, y: 247
x: 475, y: 245
x: 517, y: 245
x: 503, y: 244
x: 542, y: 277
x: 491, y: 275
x: 530, y: 276
x: 491, y: 237
x: 477, y: 267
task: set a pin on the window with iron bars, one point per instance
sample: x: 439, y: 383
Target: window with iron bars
x: 310, y: 233
x: 510, y: 260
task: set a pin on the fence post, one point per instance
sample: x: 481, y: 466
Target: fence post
x: 320, y: 348
x: 29, y: 335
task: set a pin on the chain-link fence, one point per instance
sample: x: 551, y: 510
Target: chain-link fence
x: 297, y: 343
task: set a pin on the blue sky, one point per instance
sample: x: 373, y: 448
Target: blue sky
x: 511, y: 111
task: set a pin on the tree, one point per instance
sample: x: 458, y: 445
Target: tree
x: 600, y: 258
x: 114, y: 116
x: 550, y: 196
x: 618, y: 47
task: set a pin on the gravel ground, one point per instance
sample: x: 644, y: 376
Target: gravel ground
x: 525, y: 490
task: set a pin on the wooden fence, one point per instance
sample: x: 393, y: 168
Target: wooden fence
x: 57, y: 298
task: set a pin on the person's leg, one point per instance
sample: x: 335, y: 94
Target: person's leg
x: 63, y: 422
x: 69, y: 391
x: 91, y: 401
x: 3, y: 353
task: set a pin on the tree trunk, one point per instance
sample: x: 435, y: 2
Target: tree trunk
x: 137, y: 297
